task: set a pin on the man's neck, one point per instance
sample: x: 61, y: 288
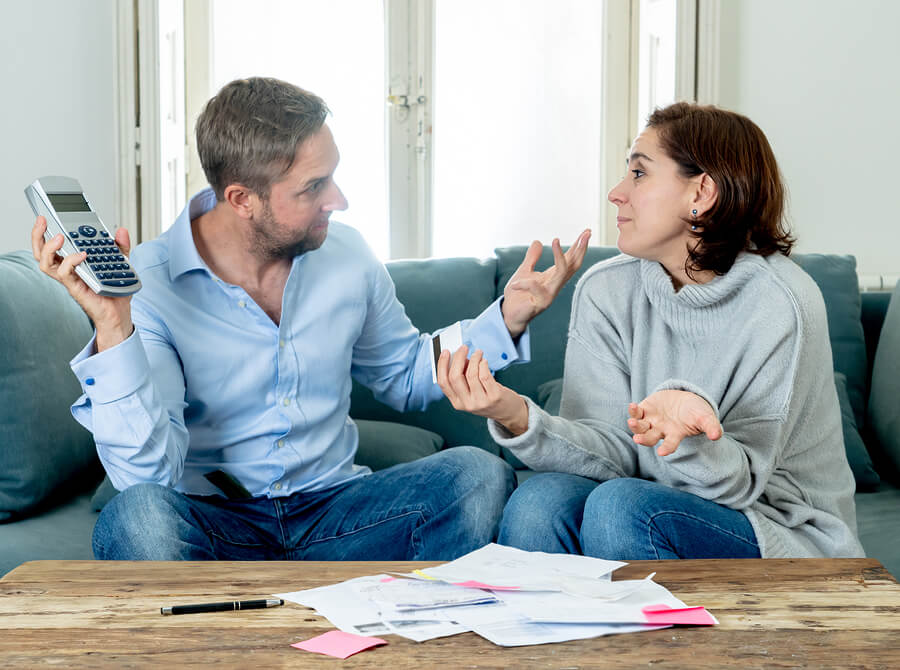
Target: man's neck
x: 223, y: 242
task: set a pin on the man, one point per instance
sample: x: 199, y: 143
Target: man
x: 230, y: 371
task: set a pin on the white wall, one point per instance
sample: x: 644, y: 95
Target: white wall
x: 56, y: 114
x: 820, y: 77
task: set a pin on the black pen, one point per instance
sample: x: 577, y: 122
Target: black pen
x: 231, y: 606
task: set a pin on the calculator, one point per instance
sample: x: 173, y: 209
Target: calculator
x: 62, y: 201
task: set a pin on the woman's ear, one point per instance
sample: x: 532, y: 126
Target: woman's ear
x: 240, y: 199
x: 705, y: 194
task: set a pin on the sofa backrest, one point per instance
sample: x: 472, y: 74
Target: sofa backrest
x: 437, y: 292
x: 548, y: 330
x: 44, y: 453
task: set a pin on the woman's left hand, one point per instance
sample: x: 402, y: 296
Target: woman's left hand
x: 671, y: 416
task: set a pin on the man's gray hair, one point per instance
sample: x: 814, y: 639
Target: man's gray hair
x: 248, y: 133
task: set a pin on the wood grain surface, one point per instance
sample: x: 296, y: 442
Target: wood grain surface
x: 841, y: 613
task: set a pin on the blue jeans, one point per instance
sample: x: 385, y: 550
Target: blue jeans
x: 435, y: 508
x: 622, y: 520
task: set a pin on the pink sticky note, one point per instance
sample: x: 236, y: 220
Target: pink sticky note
x: 472, y: 584
x: 685, y: 616
x: 387, y: 579
x: 338, y: 643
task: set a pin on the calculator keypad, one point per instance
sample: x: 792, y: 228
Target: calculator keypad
x: 103, y: 257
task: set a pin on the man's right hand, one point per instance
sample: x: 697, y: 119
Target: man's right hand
x: 111, y: 316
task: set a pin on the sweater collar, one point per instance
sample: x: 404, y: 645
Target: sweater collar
x: 684, y: 307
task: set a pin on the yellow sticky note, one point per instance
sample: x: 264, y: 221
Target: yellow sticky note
x: 422, y: 574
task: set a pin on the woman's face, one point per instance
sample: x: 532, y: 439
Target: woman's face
x: 653, y: 201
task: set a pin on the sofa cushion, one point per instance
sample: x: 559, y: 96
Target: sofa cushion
x: 857, y: 455
x: 549, y: 330
x: 43, y: 452
x: 436, y: 293
x: 836, y: 278
x: 884, y: 399
x: 550, y: 395
x: 384, y: 443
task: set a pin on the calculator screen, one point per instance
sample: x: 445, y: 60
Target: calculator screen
x: 68, y: 202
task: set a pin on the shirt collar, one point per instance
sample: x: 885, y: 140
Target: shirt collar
x: 183, y: 256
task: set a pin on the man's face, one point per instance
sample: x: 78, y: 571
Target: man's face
x: 294, y: 219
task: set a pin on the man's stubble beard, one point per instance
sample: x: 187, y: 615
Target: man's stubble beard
x: 265, y: 242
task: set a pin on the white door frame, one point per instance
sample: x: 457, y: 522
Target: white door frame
x: 126, y: 119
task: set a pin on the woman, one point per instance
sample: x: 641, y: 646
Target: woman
x: 699, y: 417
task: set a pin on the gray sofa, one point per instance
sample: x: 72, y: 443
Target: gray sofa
x: 50, y: 478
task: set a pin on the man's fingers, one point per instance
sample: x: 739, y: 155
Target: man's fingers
x: 123, y: 240
x: 457, y: 377
x: 66, y: 269
x: 48, y: 253
x: 443, y: 374
x: 472, y: 369
x: 532, y: 256
x: 37, y: 237
x: 575, y: 254
x: 559, y: 258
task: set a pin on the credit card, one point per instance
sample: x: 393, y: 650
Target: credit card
x: 449, y: 338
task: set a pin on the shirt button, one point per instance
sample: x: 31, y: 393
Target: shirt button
x: 281, y: 343
x: 280, y: 443
x: 89, y: 381
x: 286, y: 402
x: 504, y: 356
x: 241, y: 303
x: 277, y: 486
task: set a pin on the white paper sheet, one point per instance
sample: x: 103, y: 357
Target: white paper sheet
x: 498, y: 565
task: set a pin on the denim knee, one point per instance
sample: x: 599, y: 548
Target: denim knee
x: 140, y: 523
x: 616, y: 515
x: 491, y: 479
x: 544, y: 513
x: 477, y: 484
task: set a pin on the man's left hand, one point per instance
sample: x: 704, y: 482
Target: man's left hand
x: 528, y: 293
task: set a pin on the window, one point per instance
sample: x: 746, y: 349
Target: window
x: 517, y: 109
x: 463, y: 125
x: 336, y: 50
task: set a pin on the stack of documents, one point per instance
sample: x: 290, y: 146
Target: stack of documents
x: 508, y: 596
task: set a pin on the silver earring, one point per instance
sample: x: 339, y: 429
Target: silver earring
x: 694, y: 212
x: 694, y: 226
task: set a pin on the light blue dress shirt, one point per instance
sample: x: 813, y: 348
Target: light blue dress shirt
x: 208, y: 381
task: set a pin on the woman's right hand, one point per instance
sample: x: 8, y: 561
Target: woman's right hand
x: 111, y: 316
x: 470, y: 387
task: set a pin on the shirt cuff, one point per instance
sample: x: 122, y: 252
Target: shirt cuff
x: 112, y: 374
x: 488, y: 332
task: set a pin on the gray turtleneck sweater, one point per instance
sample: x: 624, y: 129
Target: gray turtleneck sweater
x: 754, y: 344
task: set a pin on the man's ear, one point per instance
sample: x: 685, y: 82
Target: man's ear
x: 241, y: 200
x: 706, y: 193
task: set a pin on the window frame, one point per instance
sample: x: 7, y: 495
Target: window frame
x: 409, y: 27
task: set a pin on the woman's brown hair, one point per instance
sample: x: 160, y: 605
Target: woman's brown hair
x: 748, y: 214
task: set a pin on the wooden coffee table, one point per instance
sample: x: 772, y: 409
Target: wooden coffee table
x: 773, y: 613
